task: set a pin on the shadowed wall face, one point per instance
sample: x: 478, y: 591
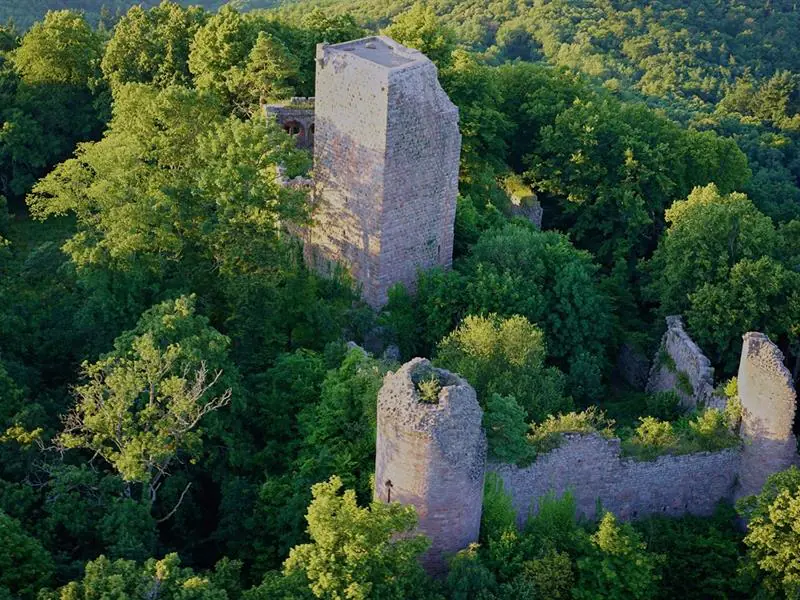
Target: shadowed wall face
x: 386, y: 157
x: 681, y: 366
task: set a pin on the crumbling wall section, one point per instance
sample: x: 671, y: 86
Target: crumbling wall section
x: 432, y: 456
x: 422, y: 160
x: 592, y: 468
x: 681, y: 366
x: 768, y: 410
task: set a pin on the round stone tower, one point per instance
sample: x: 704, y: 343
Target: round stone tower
x: 431, y: 453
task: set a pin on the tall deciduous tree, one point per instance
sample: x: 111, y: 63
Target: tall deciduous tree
x: 354, y: 552
x: 142, y: 404
x: 152, y: 46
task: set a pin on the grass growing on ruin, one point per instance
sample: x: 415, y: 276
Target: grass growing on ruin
x: 706, y: 431
x: 649, y: 437
x: 548, y: 435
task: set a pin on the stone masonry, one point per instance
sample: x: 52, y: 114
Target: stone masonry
x: 386, y: 158
x: 592, y: 469
x: 679, y: 365
x: 296, y: 117
x: 768, y: 409
x: 432, y: 456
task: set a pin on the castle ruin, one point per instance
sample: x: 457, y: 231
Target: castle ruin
x: 681, y: 366
x: 386, y: 157
x: 433, y: 456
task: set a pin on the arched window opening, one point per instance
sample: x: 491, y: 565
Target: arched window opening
x: 293, y: 128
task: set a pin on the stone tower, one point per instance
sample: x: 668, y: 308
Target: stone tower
x: 386, y: 158
x: 433, y: 456
x: 768, y: 409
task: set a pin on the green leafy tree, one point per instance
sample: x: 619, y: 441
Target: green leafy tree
x: 52, y: 100
x: 719, y: 264
x: 219, y: 49
x: 618, y: 565
x: 506, y: 426
x: 504, y: 360
x: 773, y: 539
x: 62, y: 49
x: 702, y: 554
x: 142, y: 405
x: 25, y: 566
x: 353, y: 551
x: 152, y: 46
x: 156, y: 579
x: 542, y: 277
x: 420, y: 28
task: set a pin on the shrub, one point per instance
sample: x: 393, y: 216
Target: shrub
x: 547, y: 435
x: 664, y: 405
x: 504, y: 421
x: 429, y: 389
x: 710, y: 430
x: 651, y: 438
x: 498, y: 511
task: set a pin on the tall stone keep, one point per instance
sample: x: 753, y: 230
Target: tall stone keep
x: 386, y: 157
x: 432, y: 455
x: 768, y: 409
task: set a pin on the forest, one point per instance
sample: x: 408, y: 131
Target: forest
x: 180, y: 413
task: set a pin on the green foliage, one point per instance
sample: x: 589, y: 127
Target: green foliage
x: 618, y: 564
x: 547, y: 435
x: 62, y: 49
x: 143, y: 402
x: 25, y: 566
x: 697, y: 551
x: 419, y: 28
x: 125, y: 579
x: 718, y: 264
x: 429, y: 388
x: 352, y: 553
x: 152, y: 46
x: 498, y: 514
x: 50, y: 98
x: 542, y: 277
x: 706, y: 431
x: 505, y: 357
x: 505, y: 425
x: 772, y: 539
x: 652, y: 438
x: 684, y: 384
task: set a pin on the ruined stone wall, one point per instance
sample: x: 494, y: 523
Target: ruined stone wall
x: 432, y: 456
x: 386, y: 158
x: 681, y: 366
x: 592, y: 468
x: 768, y: 409
x: 295, y: 116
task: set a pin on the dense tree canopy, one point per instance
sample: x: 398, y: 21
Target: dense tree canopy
x: 181, y: 415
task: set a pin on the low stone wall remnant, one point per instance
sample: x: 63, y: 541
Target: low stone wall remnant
x: 593, y: 470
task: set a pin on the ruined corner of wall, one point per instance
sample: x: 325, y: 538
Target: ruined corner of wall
x: 680, y: 366
x: 769, y: 402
